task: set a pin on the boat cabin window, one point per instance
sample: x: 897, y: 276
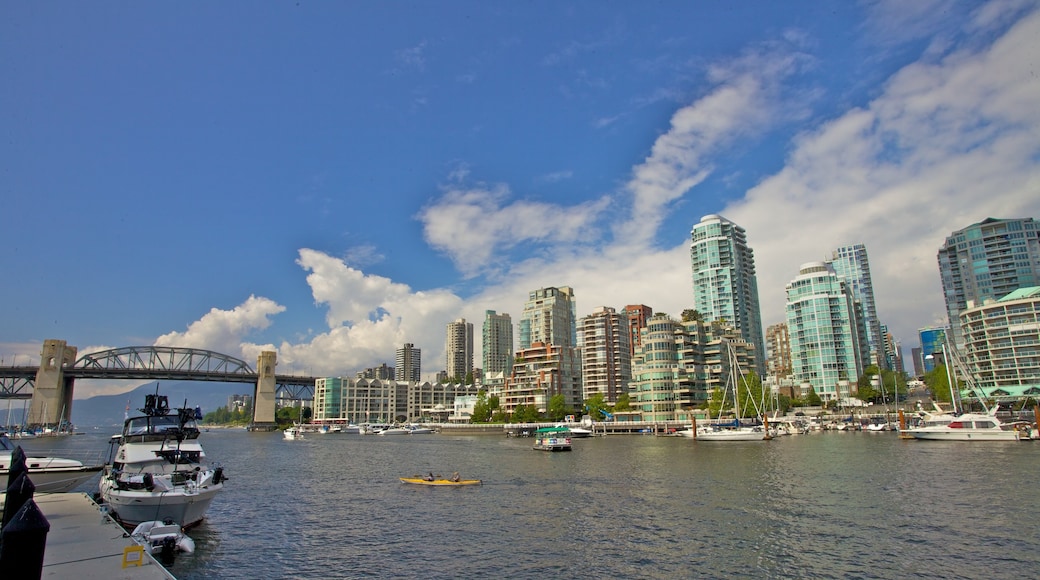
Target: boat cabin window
x: 158, y: 425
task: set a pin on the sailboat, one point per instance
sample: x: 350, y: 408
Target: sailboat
x: 734, y: 431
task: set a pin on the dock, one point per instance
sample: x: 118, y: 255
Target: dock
x: 84, y: 542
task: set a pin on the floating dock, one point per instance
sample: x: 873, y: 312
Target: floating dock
x: 85, y: 542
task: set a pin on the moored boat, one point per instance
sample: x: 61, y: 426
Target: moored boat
x: 158, y: 469
x: 163, y: 540
x: 49, y: 474
x: 963, y: 427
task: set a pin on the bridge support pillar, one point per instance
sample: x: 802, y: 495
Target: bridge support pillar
x: 52, y: 393
x: 264, y: 398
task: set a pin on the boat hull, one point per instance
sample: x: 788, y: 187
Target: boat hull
x: 186, y: 508
x: 732, y: 435
x: 439, y: 482
x: 962, y: 434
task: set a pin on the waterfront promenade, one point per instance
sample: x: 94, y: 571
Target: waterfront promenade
x: 85, y: 543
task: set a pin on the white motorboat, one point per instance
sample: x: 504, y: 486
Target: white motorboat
x: 163, y: 540
x: 372, y: 428
x: 576, y: 431
x: 49, y: 474
x: 394, y: 431
x: 963, y: 427
x: 419, y: 430
x: 294, y: 433
x: 158, y: 470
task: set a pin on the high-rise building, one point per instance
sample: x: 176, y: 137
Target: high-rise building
x: 409, y: 363
x: 549, y: 317
x: 606, y: 356
x: 458, y: 348
x: 383, y: 372
x: 987, y: 260
x: 823, y: 325
x: 778, y: 350
x: 725, y: 287
x: 932, y: 341
x: 547, y: 362
x: 1001, y: 342
x: 637, y: 314
x: 497, y: 343
x: 851, y: 263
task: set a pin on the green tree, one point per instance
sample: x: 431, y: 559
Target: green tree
x: 482, y: 411
x: 595, y: 405
x: 526, y: 414
x: 624, y: 403
x: 938, y: 383
x: 812, y: 399
x: 692, y: 315
x: 558, y: 408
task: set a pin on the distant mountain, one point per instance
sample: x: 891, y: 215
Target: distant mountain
x: 108, y: 410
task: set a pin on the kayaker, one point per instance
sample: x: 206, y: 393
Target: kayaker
x: 455, y: 476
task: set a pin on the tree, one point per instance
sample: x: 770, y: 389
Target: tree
x: 812, y: 399
x: 692, y: 315
x: 624, y: 403
x: 558, y: 408
x: 595, y: 405
x: 938, y: 383
x: 526, y: 414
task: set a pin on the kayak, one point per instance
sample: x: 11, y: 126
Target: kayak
x: 440, y: 481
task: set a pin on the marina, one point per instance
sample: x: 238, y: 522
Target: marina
x: 826, y: 504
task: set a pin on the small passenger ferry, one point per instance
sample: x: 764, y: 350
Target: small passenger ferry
x: 552, y: 439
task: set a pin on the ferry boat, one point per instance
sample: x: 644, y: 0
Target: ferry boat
x: 552, y: 439
x: 158, y: 470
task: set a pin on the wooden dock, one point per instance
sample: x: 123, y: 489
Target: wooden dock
x: 84, y: 542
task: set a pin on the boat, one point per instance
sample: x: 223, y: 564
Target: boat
x: 372, y: 428
x: 734, y: 430
x: 294, y: 433
x: 552, y: 439
x: 48, y: 474
x: 575, y: 431
x: 943, y: 426
x: 955, y: 425
x: 395, y: 430
x: 418, y: 430
x: 439, y: 481
x: 158, y: 470
x: 163, y: 539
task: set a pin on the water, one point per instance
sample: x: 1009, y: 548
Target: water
x: 829, y: 505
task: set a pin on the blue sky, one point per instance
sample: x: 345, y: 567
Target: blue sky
x: 333, y: 179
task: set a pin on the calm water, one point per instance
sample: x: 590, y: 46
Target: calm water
x: 829, y: 505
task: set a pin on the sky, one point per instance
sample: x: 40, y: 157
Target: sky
x: 331, y: 180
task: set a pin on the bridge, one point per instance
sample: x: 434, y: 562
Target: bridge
x: 50, y: 385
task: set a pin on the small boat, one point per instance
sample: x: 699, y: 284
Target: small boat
x: 163, y: 539
x: 158, y: 470
x: 372, y: 428
x: 552, y: 439
x: 48, y: 474
x: 963, y: 427
x: 294, y: 433
x: 419, y: 430
x: 394, y: 431
x: 575, y: 431
x: 440, y: 481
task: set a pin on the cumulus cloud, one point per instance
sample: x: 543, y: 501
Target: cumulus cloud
x: 472, y: 226
x: 950, y: 141
x: 223, y: 330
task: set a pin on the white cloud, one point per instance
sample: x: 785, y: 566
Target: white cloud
x: 947, y: 143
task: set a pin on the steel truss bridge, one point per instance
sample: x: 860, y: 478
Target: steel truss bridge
x: 155, y: 363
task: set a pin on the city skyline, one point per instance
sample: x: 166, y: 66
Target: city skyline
x: 331, y: 182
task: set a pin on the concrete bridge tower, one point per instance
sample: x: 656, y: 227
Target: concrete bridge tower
x: 264, y: 399
x: 52, y: 393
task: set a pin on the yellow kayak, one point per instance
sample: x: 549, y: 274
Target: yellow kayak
x: 439, y: 481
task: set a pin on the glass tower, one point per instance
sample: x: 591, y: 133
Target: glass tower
x: 850, y: 262
x: 724, y: 284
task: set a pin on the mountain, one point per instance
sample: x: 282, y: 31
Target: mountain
x: 108, y: 410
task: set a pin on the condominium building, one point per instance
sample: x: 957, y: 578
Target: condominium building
x: 549, y: 317
x: 637, y: 315
x: 541, y: 372
x: 851, y: 263
x: 680, y: 365
x: 351, y: 400
x: 725, y: 287
x: 825, y: 333
x: 778, y: 350
x: 458, y: 348
x: 409, y: 363
x: 497, y: 343
x: 606, y: 354
x: 1002, y: 340
x: 986, y: 261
